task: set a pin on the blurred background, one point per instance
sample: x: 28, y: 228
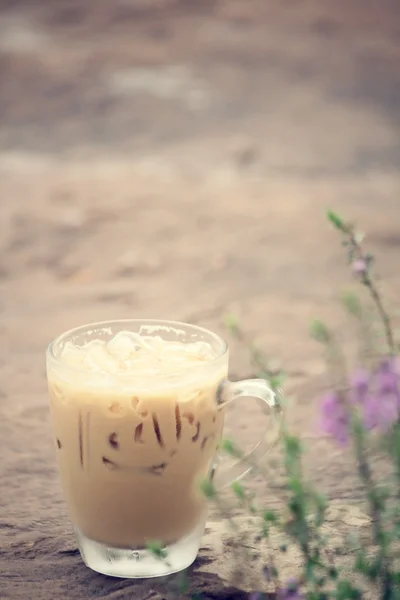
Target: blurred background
x: 175, y: 158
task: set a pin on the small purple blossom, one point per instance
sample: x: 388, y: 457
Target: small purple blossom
x: 359, y: 266
x: 290, y: 591
x: 373, y: 414
x: 335, y: 417
x: 382, y: 404
x: 388, y: 377
x: 376, y: 393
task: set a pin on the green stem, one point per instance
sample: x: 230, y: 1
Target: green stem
x: 382, y: 313
x: 370, y: 284
x: 366, y: 477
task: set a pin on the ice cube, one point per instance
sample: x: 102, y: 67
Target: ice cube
x: 73, y: 355
x: 143, y: 346
x: 123, y: 345
x: 98, y: 358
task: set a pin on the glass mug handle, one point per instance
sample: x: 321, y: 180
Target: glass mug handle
x: 249, y: 388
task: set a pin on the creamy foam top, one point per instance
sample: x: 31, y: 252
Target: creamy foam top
x: 129, y: 353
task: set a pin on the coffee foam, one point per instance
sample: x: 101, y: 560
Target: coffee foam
x: 129, y: 353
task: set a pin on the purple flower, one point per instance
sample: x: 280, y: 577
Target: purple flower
x: 359, y: 266
x: 335, y: 417
x: 377, y: 395
x: 388, y: 377
x: 290, y: 591
x: 382, y: 404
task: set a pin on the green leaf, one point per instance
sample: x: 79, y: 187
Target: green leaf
x: 345, y: 591
x: 239, y: 490
x: 292, y: 445
x: 157, y: 549
x: 296, y: 486
x: 336, y: 220
x: 277, y: 381
x: 270, y: 516
x: 208, y: 488
x: 309, y: 571
x: 395, y: 442
x: 231, y: 322
x: 396, y: 578
x: 374, y: 569
x: 361, y: 563
x: 352, y: 303
x: 333, y: 572
x: 320, y: 332
x: 297, y: 508
x: 231, y: 448
x: 321, y: 506
x: 182, y: 582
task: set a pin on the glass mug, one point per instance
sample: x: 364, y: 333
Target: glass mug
x: 135, y: 439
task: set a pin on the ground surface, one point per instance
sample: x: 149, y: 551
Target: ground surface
x: 174, y: 159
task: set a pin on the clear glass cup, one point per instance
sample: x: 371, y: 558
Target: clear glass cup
x: 132, y: 452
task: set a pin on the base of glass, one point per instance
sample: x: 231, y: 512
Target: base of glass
x: 139, y: 564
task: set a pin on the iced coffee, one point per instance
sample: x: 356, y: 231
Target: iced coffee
x: 136, y: 426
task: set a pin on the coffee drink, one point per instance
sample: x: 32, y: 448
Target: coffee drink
x: 137, y: 426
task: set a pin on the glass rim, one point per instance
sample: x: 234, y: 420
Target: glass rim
x: 166, y: 322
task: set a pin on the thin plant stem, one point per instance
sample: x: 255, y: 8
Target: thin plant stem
x: 366, y: 477
x: 369, y: 283
x: 356, y: 252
